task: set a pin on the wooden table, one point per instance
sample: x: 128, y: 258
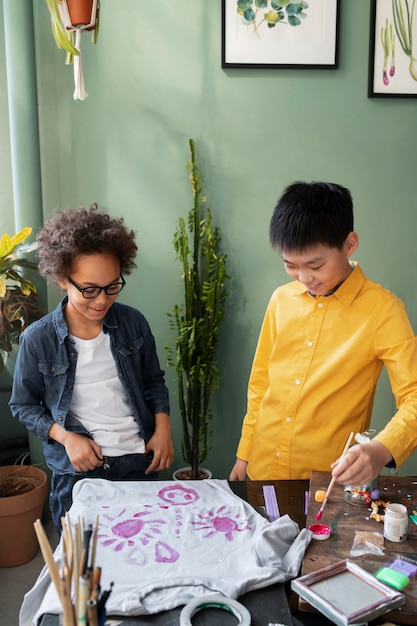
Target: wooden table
x: 344, y: 519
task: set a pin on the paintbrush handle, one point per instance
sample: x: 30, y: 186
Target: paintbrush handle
x: 333, y: 480
x: 48, y: 556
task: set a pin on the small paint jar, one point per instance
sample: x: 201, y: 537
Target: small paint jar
x: 396, y: 522
x: 320, y: 531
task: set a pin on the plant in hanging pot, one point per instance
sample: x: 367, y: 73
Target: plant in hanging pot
x: 19, y: 305
x: 196, y: 322
x: 69, y: 18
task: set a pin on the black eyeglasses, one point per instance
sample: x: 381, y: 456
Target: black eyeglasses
x: 93, y: 292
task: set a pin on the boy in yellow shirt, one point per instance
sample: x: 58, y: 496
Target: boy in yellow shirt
x: 324, y: 340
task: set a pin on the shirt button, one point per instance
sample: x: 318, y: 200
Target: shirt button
x: 60, y: 418
x: 277, y: 454
x: 69, y: 387
x: 310, y: 343
x: 288, y: 419
x: 320, y: 305
x: 298, y: 382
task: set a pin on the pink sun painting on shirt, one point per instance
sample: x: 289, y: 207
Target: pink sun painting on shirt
x: 135, y: 531
x: 221, y: 521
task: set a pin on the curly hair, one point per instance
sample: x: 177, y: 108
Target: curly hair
x: 70, y: 233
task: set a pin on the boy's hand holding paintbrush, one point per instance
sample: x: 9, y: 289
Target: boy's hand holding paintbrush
x: 361, y: 464
x: 356, y: 465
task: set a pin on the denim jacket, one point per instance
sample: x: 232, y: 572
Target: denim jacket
x: 45, y: 372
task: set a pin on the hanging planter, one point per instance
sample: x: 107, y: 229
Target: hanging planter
x: 69, y: 18
x: 78, y: 13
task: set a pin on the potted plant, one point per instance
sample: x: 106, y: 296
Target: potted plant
x: 23, y: 491
x: 19, y: 305
x: 69, y: 18
x: 196, y: 320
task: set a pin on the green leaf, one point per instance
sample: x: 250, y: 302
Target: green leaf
x: 243, y: 5
x: 293, y: 20
x: 249, y: 15
x: 272, y: 18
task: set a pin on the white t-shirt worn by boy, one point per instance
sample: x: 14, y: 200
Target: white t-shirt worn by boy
x: 99, y: 400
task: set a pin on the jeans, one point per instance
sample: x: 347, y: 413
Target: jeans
x: 127, y: 467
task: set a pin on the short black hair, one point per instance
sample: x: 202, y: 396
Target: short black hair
x: 313, y: 213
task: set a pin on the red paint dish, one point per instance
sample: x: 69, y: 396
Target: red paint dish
x: 320, y: 531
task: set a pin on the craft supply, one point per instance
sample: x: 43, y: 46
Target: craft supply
x: 333, y: 480
x: 396, y: 522
x: 48, y: 556
x: 78, y: 584
x: 271, y: 503
x: 366, y: 542
x: 306, y: 503
x: 217, y: 602
x: 101, y: 605
x: 82, y: 601
x: 92, y: 613
x: 363, y: 494
x: 320, y: 531
x: 378, y: 508
x: 408, y: 568
x: 96, y: 576
x: 320, y: 495
x: 347, y: 594
x: 393, y: 578
x: 94, y: 544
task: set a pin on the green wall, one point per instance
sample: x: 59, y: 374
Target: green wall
x: 155, y: 80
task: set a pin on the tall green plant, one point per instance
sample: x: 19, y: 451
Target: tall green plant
x: 197, y: 319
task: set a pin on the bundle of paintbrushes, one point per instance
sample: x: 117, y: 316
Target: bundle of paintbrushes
x: 78, y: 582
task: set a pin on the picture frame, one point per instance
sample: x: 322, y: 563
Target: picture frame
x: 347, y: 594
x: 262, y: 34
x: 392, y: 71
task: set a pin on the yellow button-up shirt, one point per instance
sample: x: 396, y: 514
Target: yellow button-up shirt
x: 314, y: 376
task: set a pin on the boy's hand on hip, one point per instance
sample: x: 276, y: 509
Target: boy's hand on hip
x: 83, y: 452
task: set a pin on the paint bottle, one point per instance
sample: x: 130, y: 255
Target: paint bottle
x: 363, y: 494
x: 396, y: 522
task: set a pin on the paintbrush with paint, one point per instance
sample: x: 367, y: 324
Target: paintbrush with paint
x: 333, y: 480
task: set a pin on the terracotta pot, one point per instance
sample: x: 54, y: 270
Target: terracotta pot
x: 184, y: 473
x: 18, y: 541
x: 80, y: 12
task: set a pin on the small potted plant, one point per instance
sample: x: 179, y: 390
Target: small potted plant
x: 19, y: 305
x: 196, y: 321
x: 69, y: 18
